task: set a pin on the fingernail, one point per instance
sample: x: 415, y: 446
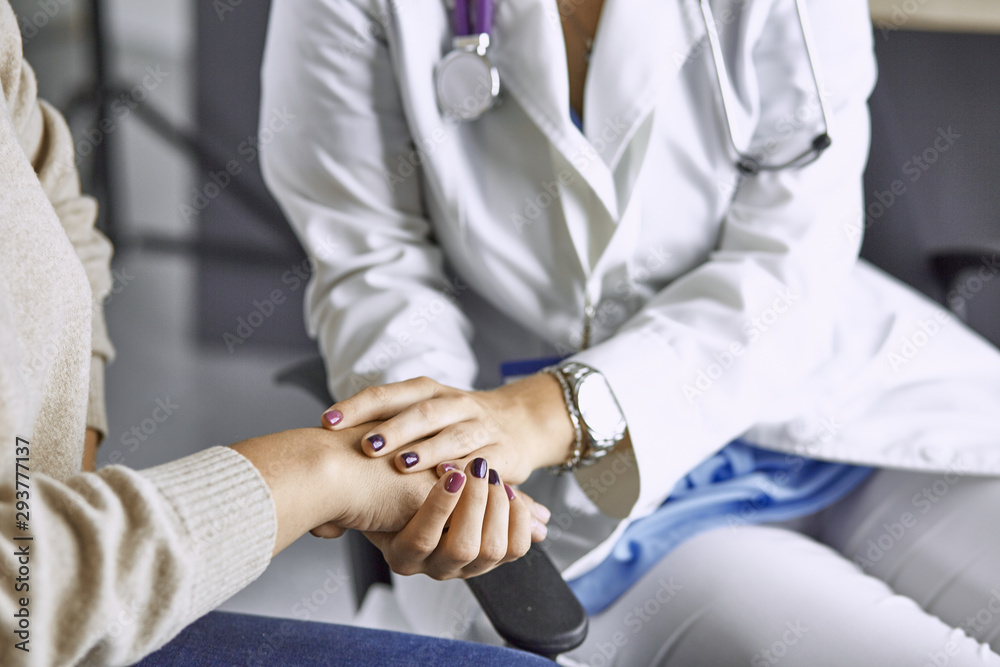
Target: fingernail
x: 448, y: 467
x: 494, y: 477
x: 377, y: 441
x: 539, y: 528
x: 333, y: 417
x: 479, y: 468
x: 510, y: 491
x: 410, y: 459
x: 454, y: 482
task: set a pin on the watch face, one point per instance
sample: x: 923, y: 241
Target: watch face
x: 599, y: 408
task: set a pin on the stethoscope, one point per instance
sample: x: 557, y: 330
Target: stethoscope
x: 468, y: 84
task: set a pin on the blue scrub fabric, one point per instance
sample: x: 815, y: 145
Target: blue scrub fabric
x: 222, y: 639
x: 739, y: 485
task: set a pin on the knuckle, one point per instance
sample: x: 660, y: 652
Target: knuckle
x: 493, y: 551
x: 419, y: 545
x: 426, y: 410
x: 469, y: 403
x: 460, y: 436
x: 425, y: 382
x: 400, y: 565
x: 518, y: 547
x: 463, y: 551
x: 379, y: 394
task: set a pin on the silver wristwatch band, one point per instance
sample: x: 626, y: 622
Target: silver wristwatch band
x: 588, y: 448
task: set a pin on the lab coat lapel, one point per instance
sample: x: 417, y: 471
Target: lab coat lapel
x: 531, y: 58
x: 640, y: 45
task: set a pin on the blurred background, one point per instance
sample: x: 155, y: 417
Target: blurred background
x: 162, y: 96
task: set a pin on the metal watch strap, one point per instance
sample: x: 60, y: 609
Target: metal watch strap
x: 574, y: 416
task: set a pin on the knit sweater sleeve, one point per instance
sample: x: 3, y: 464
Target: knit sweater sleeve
x: 116, y: 563
x: 46, y: 140
x: 95, y: 568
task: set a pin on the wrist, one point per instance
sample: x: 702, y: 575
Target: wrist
x: 537, y: 403
x: 301, y: 472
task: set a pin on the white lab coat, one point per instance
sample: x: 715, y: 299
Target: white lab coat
x: 723, y: 307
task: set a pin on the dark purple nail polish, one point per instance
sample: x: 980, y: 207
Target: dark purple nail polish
x: 454, y: 482
x: 410, y: 459
x: 510, y: 492
x: 479, y: 468
x: 333, y: 417
x: 448, y: 467
x: 494, y: 477
x: 377, y: 441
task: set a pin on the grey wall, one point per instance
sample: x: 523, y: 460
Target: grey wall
x: 932, y: 86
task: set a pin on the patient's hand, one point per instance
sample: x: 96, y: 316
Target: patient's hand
x: 470, y: 523
x: 461, y: 525
x: 321, y: 482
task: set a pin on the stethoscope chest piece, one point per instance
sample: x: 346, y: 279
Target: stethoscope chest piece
x: 467, y: 83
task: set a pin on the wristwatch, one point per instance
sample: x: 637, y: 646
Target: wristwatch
x: 594, y: 407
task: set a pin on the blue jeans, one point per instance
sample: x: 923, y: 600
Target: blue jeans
x: 220, y: 639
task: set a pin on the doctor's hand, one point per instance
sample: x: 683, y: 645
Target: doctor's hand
x: 519, y: 427
x: 470, y: 523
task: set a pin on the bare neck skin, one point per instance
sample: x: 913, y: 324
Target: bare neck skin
x: 579, y: 22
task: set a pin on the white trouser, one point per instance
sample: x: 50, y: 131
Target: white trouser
x: 903, y: 571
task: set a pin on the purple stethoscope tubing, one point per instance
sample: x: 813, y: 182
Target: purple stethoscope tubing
x: 483, y: 16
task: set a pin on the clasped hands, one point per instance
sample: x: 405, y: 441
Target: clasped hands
x: 476, y: 443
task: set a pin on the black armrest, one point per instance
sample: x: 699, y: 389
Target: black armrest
x: 531, y: 606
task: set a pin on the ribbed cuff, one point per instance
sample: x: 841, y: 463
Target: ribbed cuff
x: 97, y: 412
x: 226, y: 509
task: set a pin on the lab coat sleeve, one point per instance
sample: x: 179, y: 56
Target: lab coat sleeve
x: 379, y: 301
x: 702, y: 360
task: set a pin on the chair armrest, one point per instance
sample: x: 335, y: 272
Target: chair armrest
x: 531, y: 606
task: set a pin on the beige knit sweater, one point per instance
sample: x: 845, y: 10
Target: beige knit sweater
x: 119, y: 561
